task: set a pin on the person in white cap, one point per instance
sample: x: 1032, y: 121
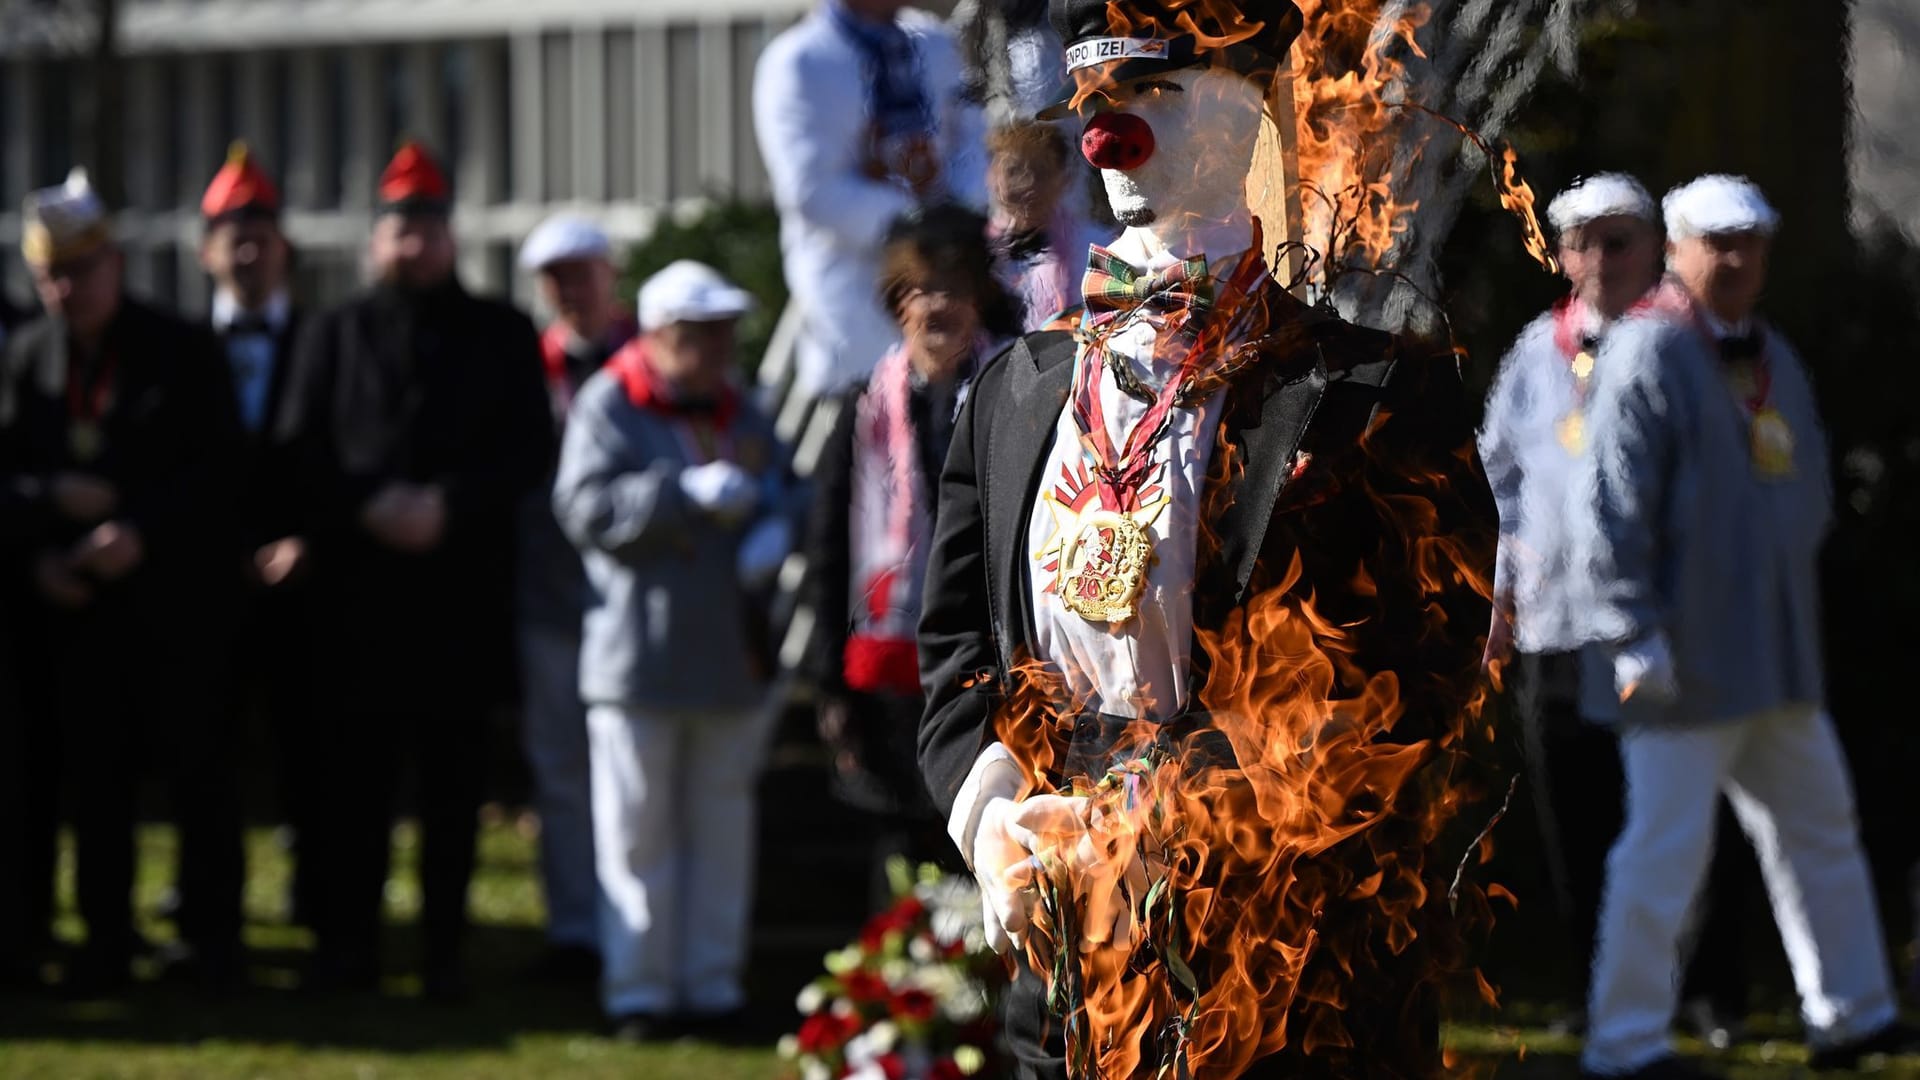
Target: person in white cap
x: 119, y: 439
x: 572, y: 260
x: 1532, y: 441
x: 1708, y: 487
x: 675, y: 489
x: 861, y: 115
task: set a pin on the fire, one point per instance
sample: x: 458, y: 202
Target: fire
x: 1285, y: 850
x: 1345, y: 77
x: 1516, y: 195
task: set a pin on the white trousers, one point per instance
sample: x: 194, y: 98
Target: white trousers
x: 553, y: 734
x: 673, y: 828
x: 1785, y: 776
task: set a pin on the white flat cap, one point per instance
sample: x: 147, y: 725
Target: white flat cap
x: 563, y: 238
x: 1601, y: 195
x: 688, y: 291
x: 1718, y: 203
x: 64, y: 222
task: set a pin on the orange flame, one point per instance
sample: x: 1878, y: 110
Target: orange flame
x: 1345, y: 76
x: 1516, y: 195
x: 1297, y: 868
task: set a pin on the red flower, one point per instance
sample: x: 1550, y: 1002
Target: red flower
x: 824, y: 1031
x: 863, y: 986
x: 891, y: 1064
x: 916, y: 1005
x: 899, y: 918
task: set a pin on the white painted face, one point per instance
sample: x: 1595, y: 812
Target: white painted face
x: 1204, y: 125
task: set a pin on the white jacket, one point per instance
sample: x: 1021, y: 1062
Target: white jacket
x: 810, y: 113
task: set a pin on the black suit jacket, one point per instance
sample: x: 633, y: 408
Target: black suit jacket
x: 439, y: 388
x: 268, y: 502
x: 1384, y: 427
x: 170, y: 446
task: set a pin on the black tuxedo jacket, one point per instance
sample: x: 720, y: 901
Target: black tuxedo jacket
x: 1389, y: 470
x: 441, y: 387
x: 171, y: 436
x: 267, y: 479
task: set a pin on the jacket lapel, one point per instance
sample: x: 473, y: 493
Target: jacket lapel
x: 1022, y: 439
x: 1264, y: 445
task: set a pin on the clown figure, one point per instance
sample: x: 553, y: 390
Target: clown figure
x: 1236, y: 452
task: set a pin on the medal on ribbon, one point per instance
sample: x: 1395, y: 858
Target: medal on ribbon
x: 86, y: 410
x: 1772, y: 443
x: 1770, y: 440
x: 84, y: 440
x: 1572, y: 428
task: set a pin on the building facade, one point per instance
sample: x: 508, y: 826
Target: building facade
x: 623, y: 109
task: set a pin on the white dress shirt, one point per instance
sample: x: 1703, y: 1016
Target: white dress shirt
x: 1139, y: 667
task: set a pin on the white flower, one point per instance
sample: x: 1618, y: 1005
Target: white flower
x: 815, y: 1070
x: 921, y: 951
x: 811, y: 997
x: 844, y: 960
x: 896, y: 971
x: 860, y: 1050
x: 970, y: 1059
x: 843, y: 1007
x: 789, y: 1047
x: 882, y: 1037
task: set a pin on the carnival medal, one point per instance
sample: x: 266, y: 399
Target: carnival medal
x: 1103, y: 558
x: 1771, y: 438
x: 84, y: 440
x: 1572, y: 428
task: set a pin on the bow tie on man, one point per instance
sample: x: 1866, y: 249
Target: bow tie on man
x: 249, y: 324
x: 1743, y: 347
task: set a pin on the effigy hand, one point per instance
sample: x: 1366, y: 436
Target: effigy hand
x: 1069, y: 847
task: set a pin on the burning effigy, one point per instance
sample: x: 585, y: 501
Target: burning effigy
x: 1206, y: 606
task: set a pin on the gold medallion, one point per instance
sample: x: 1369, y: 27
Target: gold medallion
x: 1572, y: 429
x: 1772, y: 442
x: 84, y: 440
x: 1103, y: 566
x: 1583, y: 365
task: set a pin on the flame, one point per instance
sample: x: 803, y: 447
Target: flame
x: 1516, y: 196
x: 1294, y: 861
x: 1346, y: 75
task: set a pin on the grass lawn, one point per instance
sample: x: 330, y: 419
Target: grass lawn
x: 511, y: 1029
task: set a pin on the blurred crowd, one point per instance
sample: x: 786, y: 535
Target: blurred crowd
x: 362, y: 528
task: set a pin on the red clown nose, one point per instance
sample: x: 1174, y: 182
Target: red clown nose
x: 1117, y: 140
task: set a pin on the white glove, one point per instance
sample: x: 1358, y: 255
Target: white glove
x: 1645, y: 670
x: 1009, y: 846
x: 763, y: 551
x: 721, y: 488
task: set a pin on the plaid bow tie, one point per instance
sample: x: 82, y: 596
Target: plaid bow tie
x: 1112, y: 287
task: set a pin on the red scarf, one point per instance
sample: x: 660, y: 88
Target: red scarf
x: 553, y: 356
x: 647, y: 390
x: 1570, y: 315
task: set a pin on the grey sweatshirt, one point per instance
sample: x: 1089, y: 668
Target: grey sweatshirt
x: 666, y: 621
x: 1684, y: 537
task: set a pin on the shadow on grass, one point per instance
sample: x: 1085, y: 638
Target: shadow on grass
x: 503, y: 1007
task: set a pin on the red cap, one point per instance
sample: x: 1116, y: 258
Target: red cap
x: 239, y: 186
x: 413, y: 181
